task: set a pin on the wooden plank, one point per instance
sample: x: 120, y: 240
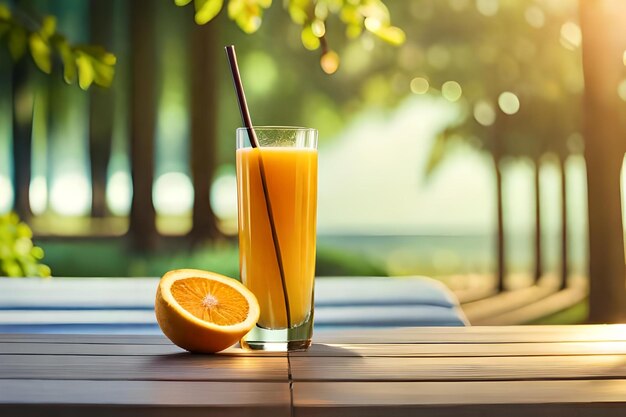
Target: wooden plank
x: 323, y: 350
x: 444, y: 335
x: 179, y: 367
x: 142, y: 398
x: 85, y: 338
x: 504, y: 368
x: 462, y: 350
x: 479, y: 334
x: 467, y: 399
x: 91, y: 349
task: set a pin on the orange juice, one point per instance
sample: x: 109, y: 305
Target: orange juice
x: 291, y: 181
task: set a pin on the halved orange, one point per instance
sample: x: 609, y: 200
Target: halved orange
x: 202, y: 311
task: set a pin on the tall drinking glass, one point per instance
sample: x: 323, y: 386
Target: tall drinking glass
x: 277, y: 206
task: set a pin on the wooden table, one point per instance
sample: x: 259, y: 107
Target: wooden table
x: 478, y: 371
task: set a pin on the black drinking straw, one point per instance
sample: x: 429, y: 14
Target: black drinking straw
x: 254, y: 141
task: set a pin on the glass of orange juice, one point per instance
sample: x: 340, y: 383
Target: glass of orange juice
x: 277, y: 207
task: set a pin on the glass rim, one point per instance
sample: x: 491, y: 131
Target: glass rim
x: 293, y: 128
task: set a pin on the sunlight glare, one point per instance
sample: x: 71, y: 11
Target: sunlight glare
x: 173, y: 194
x: 571, y: 36
x: 119, y: 192
x: 70, y: 195
x: 6, y: 194
x: 38, y: 195
x: 621, y: 89
x: 224, y: 196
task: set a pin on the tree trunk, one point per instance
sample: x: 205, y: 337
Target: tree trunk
x: 538, y: 240
x: 204, y: 96
x: 100, y: 110
x: 564, y: 227
x: 500, y: 244
x: 23, y: 101
x: 142, y: 227
x: 604, y: 41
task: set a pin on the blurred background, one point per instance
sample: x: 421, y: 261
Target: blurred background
x: 456, y: 149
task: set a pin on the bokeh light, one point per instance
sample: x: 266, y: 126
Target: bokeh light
x: 419, y: 85
x: 70, y: 195
x: 224, y: 196
x: 535, y: 16
x: 265, y: 72
x: 173, y: 194
x: 38, y: 195
x: 459, y: 5
x: 6, y: 194
x: 508, y: 103
x: 438, y: 56
x: 571, y: 36
x: 119, y: 193
x: 487, y: 7
x: 484, y: 113
x: 451, y: 91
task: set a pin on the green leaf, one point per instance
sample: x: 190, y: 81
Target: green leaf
x: 103, y: 73
x: 309, y: 40
x: 12, y: 268
x: 86, y: 72
x: 247, y: 13
x: 4, y: 27
x: 48, y: 26
x: 99, y: 53
x: 40, y: 51
x: 44, y: 271
x: 23, y: 245
x: 353, y: 31
x: 17, y: 42
x: 22, y: 230
x: 375, y: 9
x: 297, y: 12
x: 69, y: 62
x: 391, y: 34
x: 318, y: 27
x: 350, y: 15
x: 182, y: 2
x: 36, y: 252
x: 5, y: 12
x: 207, y: 10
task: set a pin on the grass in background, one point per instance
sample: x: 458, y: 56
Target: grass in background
x: 576, y: 314
x: 111, y: 258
